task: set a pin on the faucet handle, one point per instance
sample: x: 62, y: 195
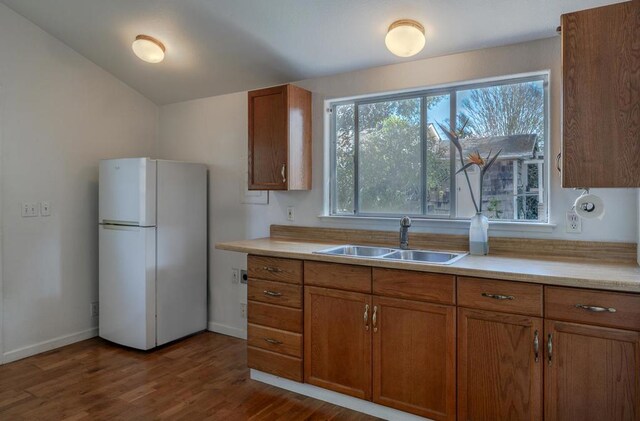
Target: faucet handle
x: 405, y: 221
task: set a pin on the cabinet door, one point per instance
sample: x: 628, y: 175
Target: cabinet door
x: 268, y: 139
x: 337, y: 341
x: 591, y: 373
x: 499, y: 371
x: 414, y: 357
x: 601, y: 96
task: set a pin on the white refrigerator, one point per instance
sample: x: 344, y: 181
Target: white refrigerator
x: 152, y: 251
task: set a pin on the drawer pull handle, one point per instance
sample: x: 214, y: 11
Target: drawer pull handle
x: 596, y: 309
x: 273, y: 341
x: 272, y: 269
x: 549, y: 348
x: 536, y: 345
x: 272, y: 293
x: 374, y: 319
x: 366, y: 317
x: 498, y: 296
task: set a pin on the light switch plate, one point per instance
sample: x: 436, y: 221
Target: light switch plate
x: 45, y: 208
x: 30, y: 209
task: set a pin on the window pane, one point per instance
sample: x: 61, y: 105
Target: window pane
x: 509, y: 118
x: 389, y: 157
x: 438, y: 157
x: 344, y: 138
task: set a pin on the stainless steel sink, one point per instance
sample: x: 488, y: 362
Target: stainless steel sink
x: 385, y: 253
x: 357, y: 251
x: 424, y: 256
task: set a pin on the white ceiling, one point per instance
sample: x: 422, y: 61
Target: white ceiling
x: 222, y: 46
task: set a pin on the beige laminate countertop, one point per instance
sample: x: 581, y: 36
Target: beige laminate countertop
x: 615, y: 277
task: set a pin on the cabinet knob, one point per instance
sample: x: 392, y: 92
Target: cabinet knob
x: 549, y: 348
x: 272, y: 269
x: 283, y: 173
x: 558, y: 162
x: 272, y: 293
x: 536, y: 345
x: 273, y: 341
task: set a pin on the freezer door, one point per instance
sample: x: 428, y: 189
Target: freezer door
x: 127, y: 285
x: 182, y: 250
x: 127, y: 191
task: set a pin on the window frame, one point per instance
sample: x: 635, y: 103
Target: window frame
x: 422, y: 95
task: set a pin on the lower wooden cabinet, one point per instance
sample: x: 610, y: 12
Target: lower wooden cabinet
x: 414, y: 349
x: 412, y: 359
x: 337, y: 340
x: 591, y: 373
x: 500, y: 360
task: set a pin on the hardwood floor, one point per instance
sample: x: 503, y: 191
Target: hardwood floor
x: 202, y: 377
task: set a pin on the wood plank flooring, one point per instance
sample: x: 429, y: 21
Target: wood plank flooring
x: 203, y: 377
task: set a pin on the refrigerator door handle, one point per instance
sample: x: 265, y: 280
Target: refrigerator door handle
x: 116, y: 222
x: 121, y: 227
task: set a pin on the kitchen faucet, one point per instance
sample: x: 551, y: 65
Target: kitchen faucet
x: 405, y: 223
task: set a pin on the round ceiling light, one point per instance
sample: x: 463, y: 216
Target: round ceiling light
x: 405, y: 38
x: 148, y: 49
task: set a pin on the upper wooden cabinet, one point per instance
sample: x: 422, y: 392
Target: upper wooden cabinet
x: 601, y: 97
x: 280, y: 138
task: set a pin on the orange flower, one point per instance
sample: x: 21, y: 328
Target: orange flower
x: 475, y: 158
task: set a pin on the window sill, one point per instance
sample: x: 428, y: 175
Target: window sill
x: 543, y: 227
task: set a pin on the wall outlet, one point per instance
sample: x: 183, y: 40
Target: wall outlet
x: 30, y: 209
x: 573, y: 223
x: 243, y: 276
x: 94, y: 309
x: 235, y: 276
x: 290, y: 213
x: 243, y: 310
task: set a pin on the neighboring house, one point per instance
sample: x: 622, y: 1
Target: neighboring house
x: 513, y: 187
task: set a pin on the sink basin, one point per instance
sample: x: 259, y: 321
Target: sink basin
x: 385, y: 253
x: 357, y: 251
x: 424, y: 256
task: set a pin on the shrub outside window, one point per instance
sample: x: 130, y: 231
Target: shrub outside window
x: 389, y: 157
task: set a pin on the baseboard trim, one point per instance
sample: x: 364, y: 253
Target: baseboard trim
x: 227, y: 330
x: 335, y: 398
x: 48, y: 345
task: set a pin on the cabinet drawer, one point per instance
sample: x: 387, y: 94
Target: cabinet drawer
x: 338, y: 276
x: 613, y: 309
x: 439, y: 288
x: 273, y: 363
x: 275, y: 269
x: 275, y: 293
x: 505, y: 296
x: 278, y: 317
x: 275, y: 340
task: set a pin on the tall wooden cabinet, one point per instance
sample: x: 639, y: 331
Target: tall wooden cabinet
x: 601, y: 96
x: 280, y: 138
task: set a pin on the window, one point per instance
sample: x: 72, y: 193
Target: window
x: 390, y: 157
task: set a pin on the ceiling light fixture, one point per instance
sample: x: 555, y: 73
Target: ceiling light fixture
x: 148, y: 49
x: 405, y: 38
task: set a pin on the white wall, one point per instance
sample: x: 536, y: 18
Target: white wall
x: 60, y: 114
x: 214, y: 130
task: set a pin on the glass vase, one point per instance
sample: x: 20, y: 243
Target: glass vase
x: 479, y: 235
